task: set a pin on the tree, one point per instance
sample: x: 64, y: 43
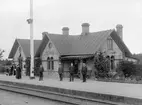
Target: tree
x: 7, y: 62
x: 37, y: 64
x: 138, y: 56
x: 101, y: 63
x: 1, y: 53
x: 27, y: 66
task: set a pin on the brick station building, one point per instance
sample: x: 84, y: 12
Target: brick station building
x: 66, y: 48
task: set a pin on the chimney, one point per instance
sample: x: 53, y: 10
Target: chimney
x: 65, y: 31
x: 119, y: 30
x: 43, y: 34
x: 85, y: 28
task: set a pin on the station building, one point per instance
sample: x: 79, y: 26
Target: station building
x: 67, y: 49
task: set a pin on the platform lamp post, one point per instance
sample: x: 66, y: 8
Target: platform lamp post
x: 30, y: 21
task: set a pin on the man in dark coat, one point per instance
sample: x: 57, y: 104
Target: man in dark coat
x: 14, y: 72
x: 60, y: 71
x: 71, y: 71
x: 11, y: 70
x: 84, y: 72
x: 41, y: 70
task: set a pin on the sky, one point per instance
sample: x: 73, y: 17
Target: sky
x: 52, y: 15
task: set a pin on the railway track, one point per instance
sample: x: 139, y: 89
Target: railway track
x: 54, y: 96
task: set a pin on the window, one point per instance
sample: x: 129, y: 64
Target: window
x: 110, y: 62
x: 48, y: 63
x: 110, y: 44
x: 52, y: 63
x: 50, y: 45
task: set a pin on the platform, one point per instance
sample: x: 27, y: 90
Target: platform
x: 122, y: 91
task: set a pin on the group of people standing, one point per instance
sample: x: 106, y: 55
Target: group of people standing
x: 14, y: 70
x: 72, y: 72
x: 17, y: 72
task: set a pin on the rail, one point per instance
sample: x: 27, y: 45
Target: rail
x: 54, y: 96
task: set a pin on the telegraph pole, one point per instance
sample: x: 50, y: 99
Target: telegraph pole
x: 30, y: 21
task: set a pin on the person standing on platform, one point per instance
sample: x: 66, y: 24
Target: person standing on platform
x: 60, y: 71
x: 84, y: 72
x: 71, y: 71
x: 11, y: 70
x: 14, y: 72
x: 18, y: 72
x: 41, y: 70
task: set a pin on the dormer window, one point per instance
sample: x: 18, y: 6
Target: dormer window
x: 110, y: 44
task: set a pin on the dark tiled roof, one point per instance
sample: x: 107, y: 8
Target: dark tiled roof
x: 25, y: 44
x: 85, y: 44
x: 79, y: 44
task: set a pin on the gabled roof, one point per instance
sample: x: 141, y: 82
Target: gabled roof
x: 121, y: 44
x: 84, y: 44
x: 42, y: 46
x: 14, y: 49
x: 79, y: 44
x: 25, y: 44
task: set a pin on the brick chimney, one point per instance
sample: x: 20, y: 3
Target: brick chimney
x: 85, y: 28
x: 119, y: 30
x: 43, y: 34
x: 65, y: 31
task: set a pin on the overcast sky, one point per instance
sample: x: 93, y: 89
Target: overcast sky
x: 52, y: 15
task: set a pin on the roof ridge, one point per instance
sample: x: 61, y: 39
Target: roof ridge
x: 102, y: 31
x: 21, y: 39
x: 77, y: 34
x: 29, y: 39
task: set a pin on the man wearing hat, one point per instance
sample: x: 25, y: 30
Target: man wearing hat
x: 60, y: 71
x: 84, y: 72
x: 71, y: 71
x: 41, y: 70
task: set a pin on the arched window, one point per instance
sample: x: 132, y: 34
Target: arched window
x: 48, y: 63
x: 112, y: 62
x: 52, y: 63
x: 108, y: 57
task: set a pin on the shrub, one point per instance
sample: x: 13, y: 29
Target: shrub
x: 2, y: 69
x: 101, y: 64
x: 27, y: 66
x: 128, y: 68
x: 37, y: 63
x: 138, y: 69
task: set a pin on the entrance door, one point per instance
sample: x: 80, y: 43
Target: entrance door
x: 76, y: 68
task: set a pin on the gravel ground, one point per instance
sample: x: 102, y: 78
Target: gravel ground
x: 10, y: 98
